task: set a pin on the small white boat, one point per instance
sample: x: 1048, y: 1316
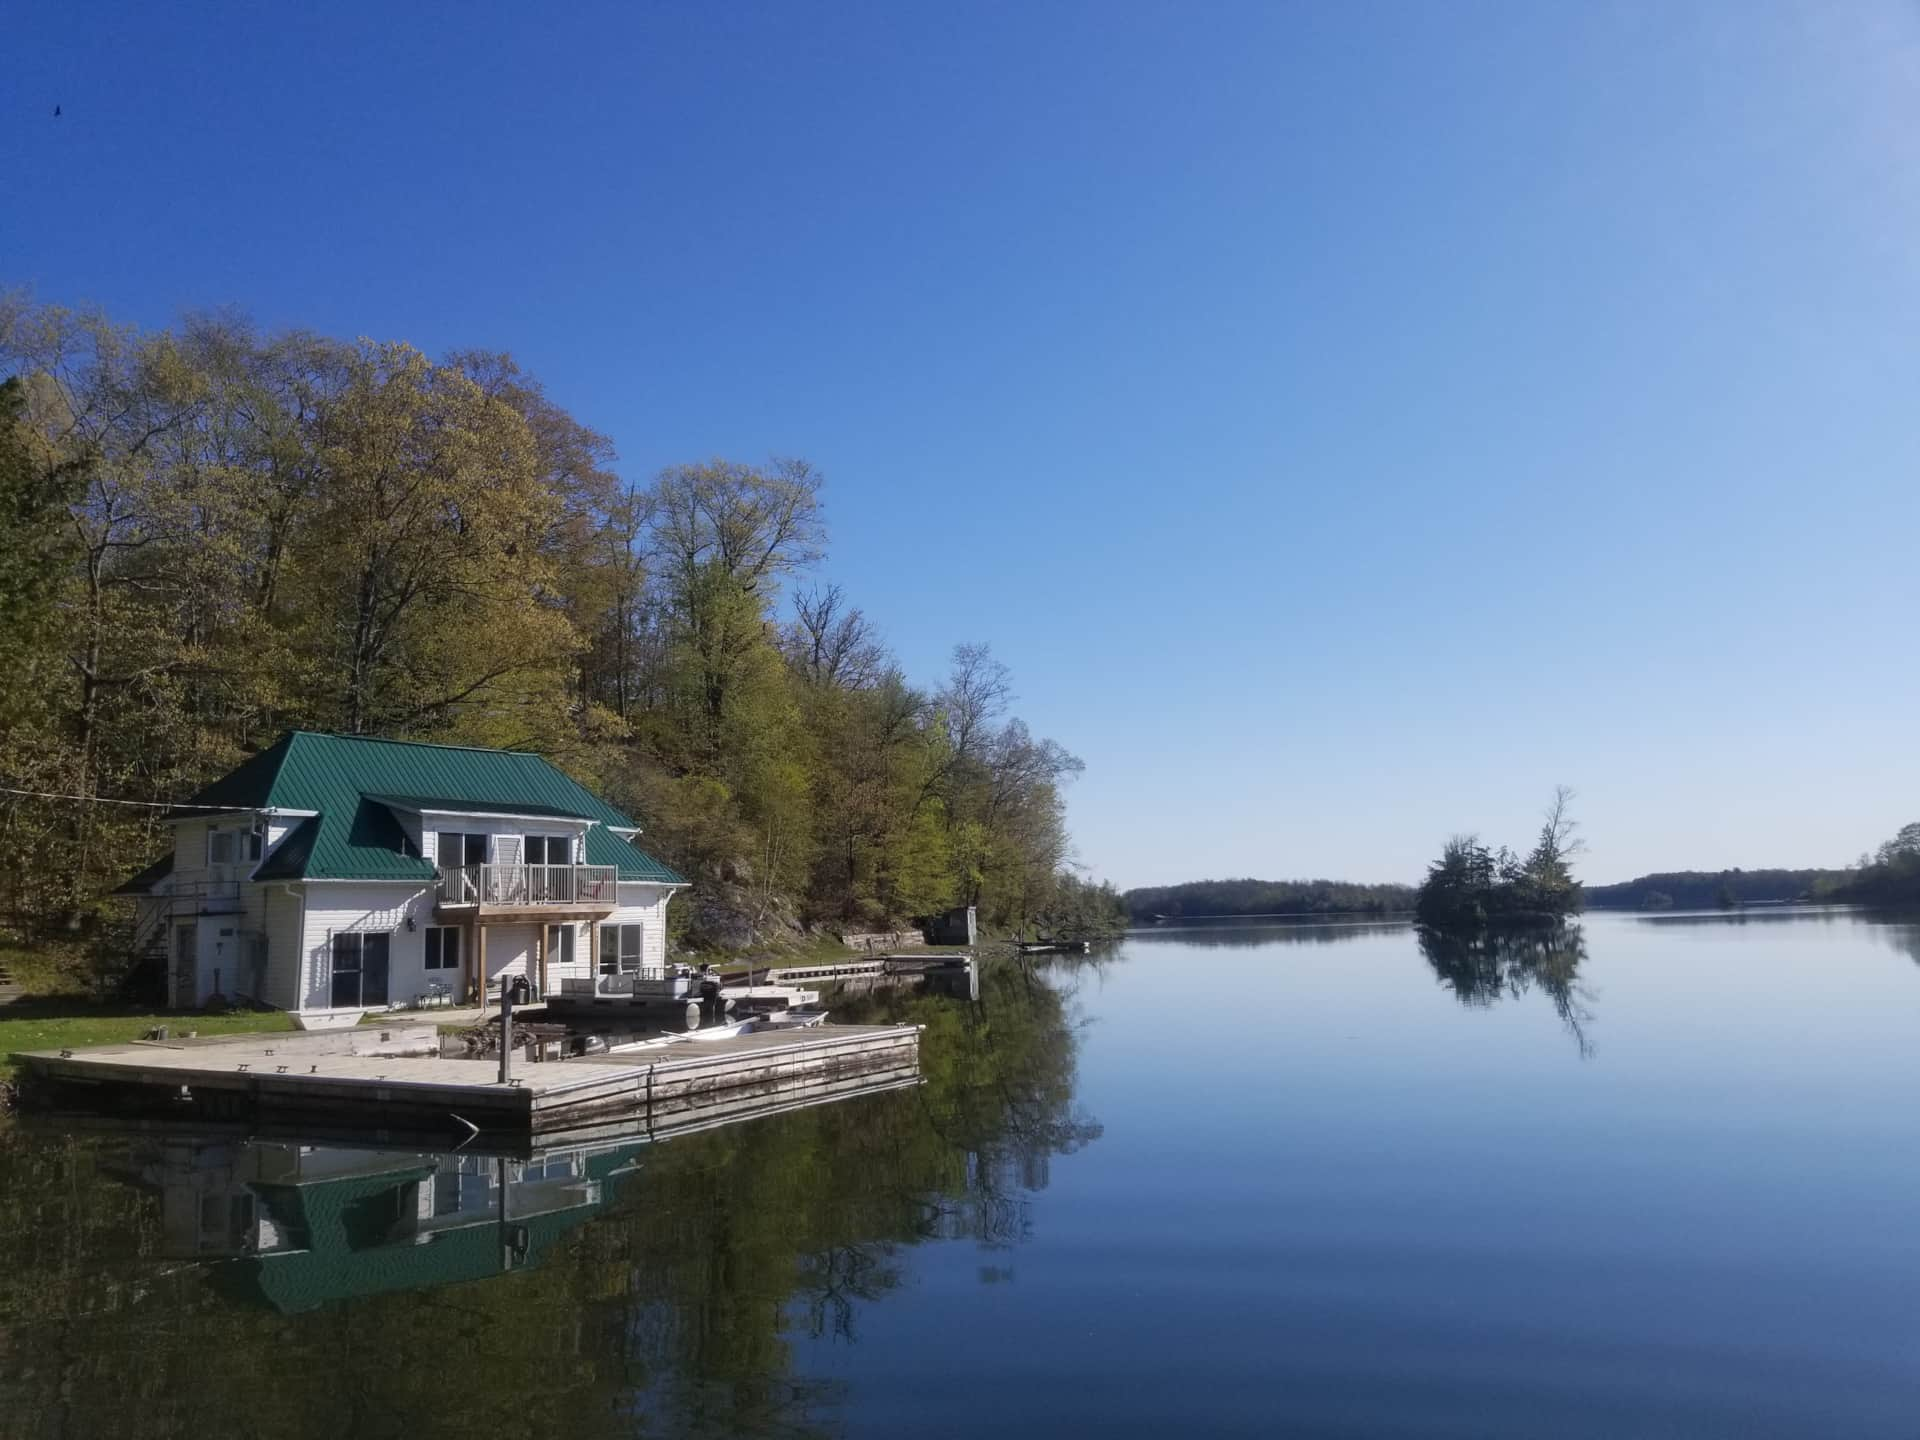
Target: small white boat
x: 724, y: 1031
x: 706, y: 1032
x: 800, y: 1017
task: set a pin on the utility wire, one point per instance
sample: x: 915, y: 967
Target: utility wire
x: 104, y: 800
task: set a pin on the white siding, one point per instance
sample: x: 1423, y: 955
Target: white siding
x: 367, y: 906
x: 510, y: 950
x: 281, y: 904
x: 645, y: 906
x: 228, y: 911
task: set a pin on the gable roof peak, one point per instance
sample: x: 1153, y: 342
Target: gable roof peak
x: 422, y: 744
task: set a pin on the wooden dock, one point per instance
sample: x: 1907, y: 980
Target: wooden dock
x: 278, y: 1077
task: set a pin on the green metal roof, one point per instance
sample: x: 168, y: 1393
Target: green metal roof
x: 342, y: 1228
x: 289, y: 858
x: 143, y: 883
x: 352, y: 781
x: 478, y: 807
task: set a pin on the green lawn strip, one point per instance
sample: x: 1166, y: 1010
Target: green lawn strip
x: 45, y: 1025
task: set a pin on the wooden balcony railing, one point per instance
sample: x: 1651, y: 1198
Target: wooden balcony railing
x: 528, y: 885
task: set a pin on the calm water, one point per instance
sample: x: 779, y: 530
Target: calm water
x: 1660, y: 1181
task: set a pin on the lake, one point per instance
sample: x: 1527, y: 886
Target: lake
x: 1655, y: 1178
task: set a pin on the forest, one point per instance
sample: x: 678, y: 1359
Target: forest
x: 215, y: 534
x: 1713, y: 889
x: 1889, y: 875
x: 1265, y: 897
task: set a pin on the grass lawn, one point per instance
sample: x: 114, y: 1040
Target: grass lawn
x: 59, y: 1024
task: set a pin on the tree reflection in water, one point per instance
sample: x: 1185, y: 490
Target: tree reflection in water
x: 672, y: 1306
x: 1483, y: 968
x: 1251, y: 934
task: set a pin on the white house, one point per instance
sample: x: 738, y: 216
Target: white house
x: 331, y: 875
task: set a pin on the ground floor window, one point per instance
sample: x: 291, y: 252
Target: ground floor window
x: 619, y: 949
x: 559, y: 944
x: 443, y: 947
x: 359, y: 971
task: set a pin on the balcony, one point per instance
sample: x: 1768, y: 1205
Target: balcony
x: 490, y: 890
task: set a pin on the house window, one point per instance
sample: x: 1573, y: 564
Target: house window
x: 443, y: 947
x: 457, y: 848
x: 560, y: 944
x: 359, y: 971
x: 230, y: 847
x: 549, y: 850
x: 619, y: 949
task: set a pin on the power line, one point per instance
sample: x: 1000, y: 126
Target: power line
x: 104, y: 800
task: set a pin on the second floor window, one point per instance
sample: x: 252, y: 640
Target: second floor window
x: 456, y: 848
x: 549, y: 850
x: 232, y: 847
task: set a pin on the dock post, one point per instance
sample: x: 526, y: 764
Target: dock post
x: 506, y: 1033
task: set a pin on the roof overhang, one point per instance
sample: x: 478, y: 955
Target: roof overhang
x: 269, y: 810
x: 431, y: 807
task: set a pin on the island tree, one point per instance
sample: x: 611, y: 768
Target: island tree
x: 1471, y: 887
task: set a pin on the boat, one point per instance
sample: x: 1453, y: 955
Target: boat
x: 800, y: 1017
x: 724, y: 1031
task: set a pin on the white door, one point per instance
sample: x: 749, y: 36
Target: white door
x: 186, y: 954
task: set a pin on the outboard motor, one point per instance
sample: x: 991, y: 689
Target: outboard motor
x: 711, y: 1005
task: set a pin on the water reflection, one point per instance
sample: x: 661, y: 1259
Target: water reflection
x: 1756, y: 915
x: 1903, y: 935
x: 1483, y: 969
x: 302, y: 1226
x: 611, y: 1285
x: 1243, y: 934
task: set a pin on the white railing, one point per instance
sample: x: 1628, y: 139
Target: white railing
x: 527, y: 885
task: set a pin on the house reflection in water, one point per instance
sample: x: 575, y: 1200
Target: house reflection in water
x: 304, y: 1225
x: 298, y: 1225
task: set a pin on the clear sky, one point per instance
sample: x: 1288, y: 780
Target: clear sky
x: 1349, y: 420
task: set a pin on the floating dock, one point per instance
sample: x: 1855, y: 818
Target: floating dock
x: 390, y: 1078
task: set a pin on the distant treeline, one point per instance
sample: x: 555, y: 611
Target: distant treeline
x: 1716, y: 889
x: 1266, y: 897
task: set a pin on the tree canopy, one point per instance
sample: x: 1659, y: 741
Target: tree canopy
x: 1247, y: 897
x: 1471, y: 887
x: 214, y: 534
x: 1890, y: 875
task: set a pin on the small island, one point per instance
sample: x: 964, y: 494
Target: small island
x: 1471, y: 889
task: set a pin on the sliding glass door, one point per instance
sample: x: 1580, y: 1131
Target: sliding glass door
x: 360, y: 971
x: 455, y: 853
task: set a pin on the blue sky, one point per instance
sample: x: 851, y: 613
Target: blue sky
x: 1348, y: 420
